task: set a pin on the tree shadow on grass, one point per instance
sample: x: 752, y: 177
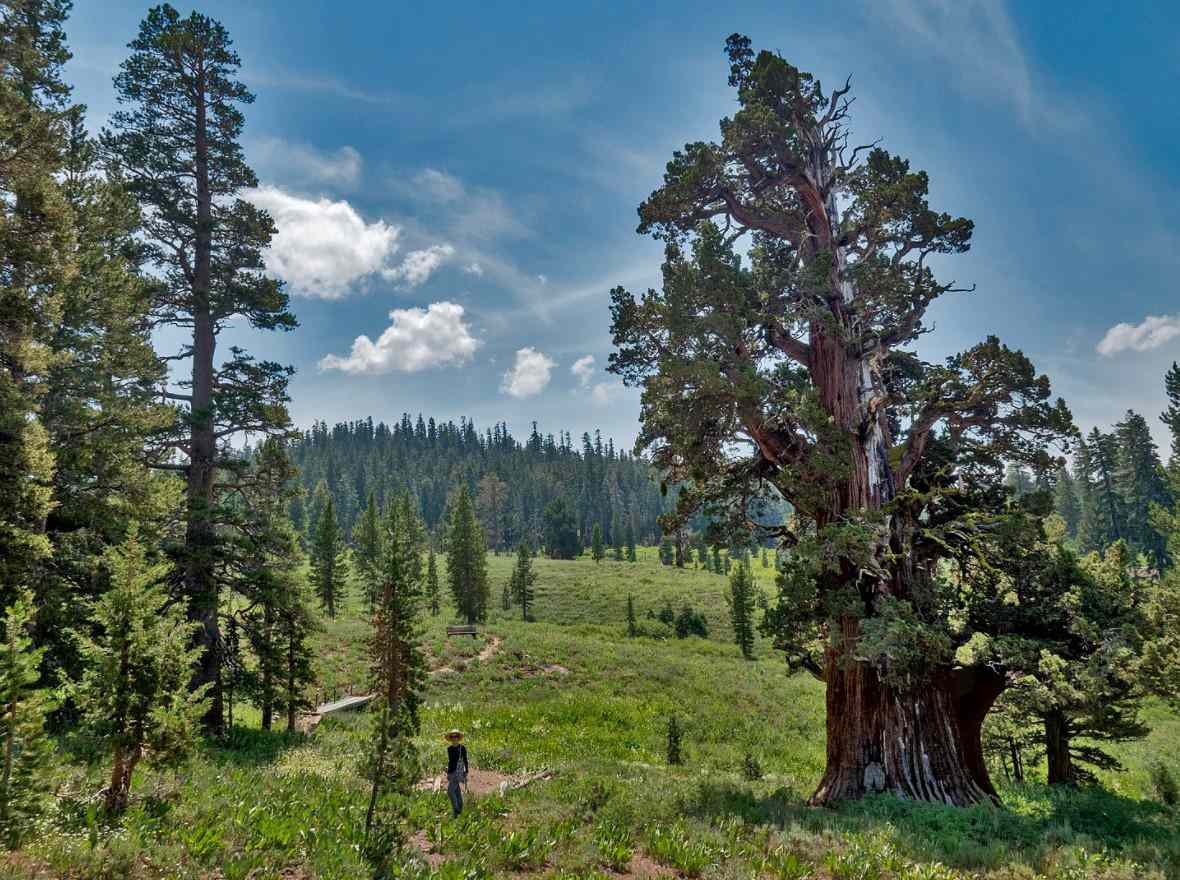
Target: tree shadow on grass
x: 1034, y: 819
x: 253, y: 747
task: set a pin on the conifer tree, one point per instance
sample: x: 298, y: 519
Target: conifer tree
x: 329, y: 562
x: 271, y: 580
x: 632, y: 631
x: 1171, y: 418
x: 26, y: 749
x: 597, y: 548
x: 631, y: 554
x: 367, y: 535
x: 1066, y: 503
x: 295, y: 625
x: 798, y: 274
x: 398, y: 676
x: 467, y: 571
x: 491, y: 501
x: 523, y: 580
x: 135, y: 695
x: 765, y: 558
x: 35, y: 243
x: 741, y: 608
x: 100, y: 407
x: 433, y: 593
x: 176, y: 142
x: 1142, y: 485
x: 616, y: 536
x: 1108, y: 509
x: 561, y: 531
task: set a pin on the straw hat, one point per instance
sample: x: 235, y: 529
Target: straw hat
x: 456, y: 735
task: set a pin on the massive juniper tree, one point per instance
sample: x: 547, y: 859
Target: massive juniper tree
x: 176, y: 142
x: 803, y: 357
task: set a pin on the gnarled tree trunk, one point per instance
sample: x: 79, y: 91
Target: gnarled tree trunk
x: 919, y: 743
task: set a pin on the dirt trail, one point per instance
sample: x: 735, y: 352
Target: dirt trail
x: 308, y: 721
x: 489, y: 651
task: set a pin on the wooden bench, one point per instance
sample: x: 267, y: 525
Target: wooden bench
x: 465, y: 630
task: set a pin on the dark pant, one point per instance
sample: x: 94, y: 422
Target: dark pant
x: 454, y: 792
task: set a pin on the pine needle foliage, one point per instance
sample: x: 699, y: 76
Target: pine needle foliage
x: 24, y: 705
x: 398, y: 676
x: 135, y: 694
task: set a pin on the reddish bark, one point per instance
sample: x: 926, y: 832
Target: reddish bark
x: 919, y: 743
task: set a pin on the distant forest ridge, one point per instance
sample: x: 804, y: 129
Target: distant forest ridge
x: 511, y: 480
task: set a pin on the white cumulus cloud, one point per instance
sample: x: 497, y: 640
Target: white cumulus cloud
x: 529, y: 373
x: 1152, y: 332
x: 416, y: 339
x: 322, y: 248
x: 583, y: 369
x: 419, y: 265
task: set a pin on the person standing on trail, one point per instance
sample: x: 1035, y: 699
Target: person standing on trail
x: 456, y: 769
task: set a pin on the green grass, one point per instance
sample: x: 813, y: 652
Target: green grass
x: 266, y: 804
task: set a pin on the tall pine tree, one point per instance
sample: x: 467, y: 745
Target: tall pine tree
x: 398, y: 676
x: 329, y: 561
x: 1142, y: 485
x: 36, y: 238
x: 176, y: 141
x: 467, y: 567
x: 367, y: 555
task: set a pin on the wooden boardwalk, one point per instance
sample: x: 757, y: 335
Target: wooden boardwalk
x: 344, y: 704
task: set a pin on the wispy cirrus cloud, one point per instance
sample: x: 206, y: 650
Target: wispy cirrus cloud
x: 306, y: 166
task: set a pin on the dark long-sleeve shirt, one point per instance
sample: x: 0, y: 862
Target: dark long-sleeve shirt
x: 456, y: 755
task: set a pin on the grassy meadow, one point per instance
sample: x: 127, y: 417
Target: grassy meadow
x: 570, y: 694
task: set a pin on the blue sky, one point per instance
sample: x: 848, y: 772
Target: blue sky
x: 458, y: 182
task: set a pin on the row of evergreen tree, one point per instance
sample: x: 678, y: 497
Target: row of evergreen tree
x: 511, y: 482
x: 1117, y: 483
